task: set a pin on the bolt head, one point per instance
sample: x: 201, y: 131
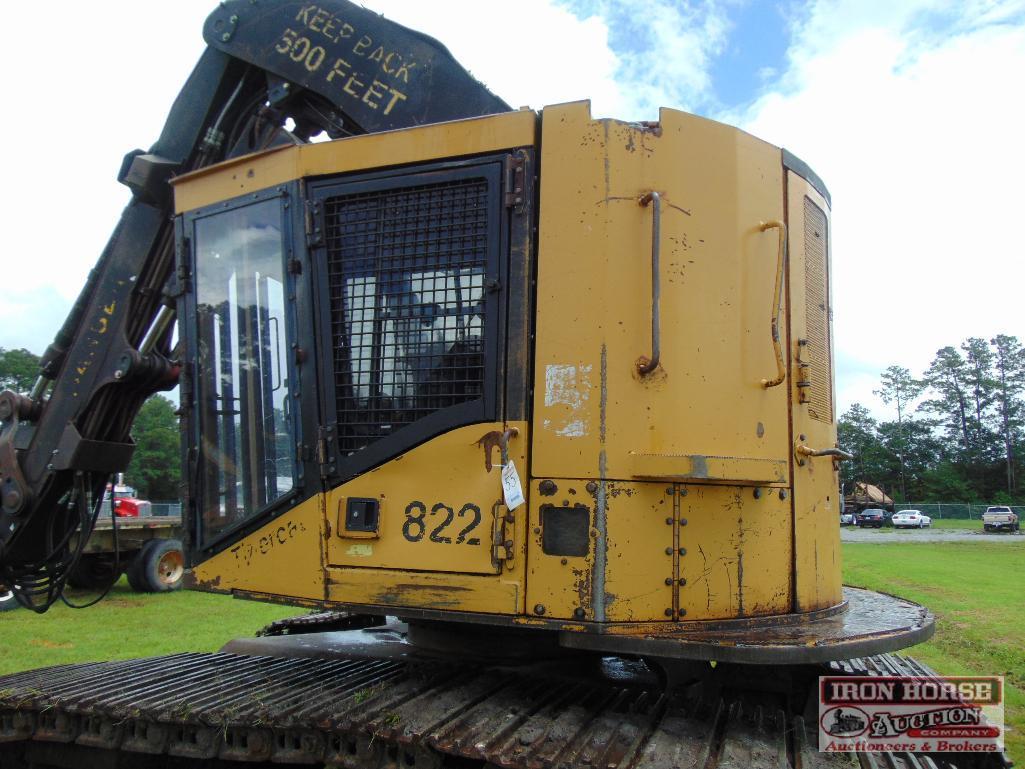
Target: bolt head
x: 669, y: 612
x: 12, y: 499
x: 669, y: 521
x: 669, y: 551
x: 669, y: 580
x: 539, y: 609
x: 683, y: 581
x: 683, y: 521
x: 579, y: 613
x: 683, y: 551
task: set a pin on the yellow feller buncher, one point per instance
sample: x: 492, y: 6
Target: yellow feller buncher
x: 536, y: 409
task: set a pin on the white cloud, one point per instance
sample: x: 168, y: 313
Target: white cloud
x: 86, y: 83
x: 664, y: 54
x: 917, y: 135
x: 531, y: 54
x: 543, y: 52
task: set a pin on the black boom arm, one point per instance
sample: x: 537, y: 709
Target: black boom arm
x: 331, y: 67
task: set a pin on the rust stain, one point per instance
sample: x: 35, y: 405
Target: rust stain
x: 738, y: 500
x: 425, y: 596
x: 582, y: 584
x: 192, y: 582
x: 489, y: 441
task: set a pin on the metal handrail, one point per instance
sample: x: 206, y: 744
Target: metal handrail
x: 646, y: 365
x: 777, y: 305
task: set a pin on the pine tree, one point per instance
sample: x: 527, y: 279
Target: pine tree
x: 1009, y: 368
x: 900, y: 389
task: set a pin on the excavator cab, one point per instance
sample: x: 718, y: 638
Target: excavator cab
x: 529, y: 369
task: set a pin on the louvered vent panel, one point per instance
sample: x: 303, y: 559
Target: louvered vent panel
x: 817, y: 311
x: 406, y: 268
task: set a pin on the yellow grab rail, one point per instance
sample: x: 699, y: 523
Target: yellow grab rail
x: 777, y: 304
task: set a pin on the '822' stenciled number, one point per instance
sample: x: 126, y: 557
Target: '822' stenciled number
x: 416, y: 524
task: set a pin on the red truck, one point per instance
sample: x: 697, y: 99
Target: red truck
x: 126, y: 504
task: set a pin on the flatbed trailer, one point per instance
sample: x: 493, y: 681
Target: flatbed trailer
x: 146, y: 548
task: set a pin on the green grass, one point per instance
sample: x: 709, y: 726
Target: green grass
x: 126, y: 625
x: 961, y: 524
x: 975, y: 591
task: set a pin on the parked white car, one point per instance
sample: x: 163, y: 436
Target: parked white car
x: 846, y: 519
x: 911, y: 519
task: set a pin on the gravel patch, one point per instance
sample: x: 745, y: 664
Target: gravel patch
x: 879, y: 536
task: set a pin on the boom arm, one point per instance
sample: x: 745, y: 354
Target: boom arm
x: 331, y: 67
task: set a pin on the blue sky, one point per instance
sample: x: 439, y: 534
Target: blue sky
x: 911, y: 111
x: 747, y: 44
x: 754, y: 53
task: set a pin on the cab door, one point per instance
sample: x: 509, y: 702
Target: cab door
x: 413, y: 269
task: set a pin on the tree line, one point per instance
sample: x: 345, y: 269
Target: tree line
x: 155, y: 467
x: 959, y: 430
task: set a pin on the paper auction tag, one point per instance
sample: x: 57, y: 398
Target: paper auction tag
x: 512, y: 489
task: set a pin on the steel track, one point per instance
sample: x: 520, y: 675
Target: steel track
x: 205, y: 709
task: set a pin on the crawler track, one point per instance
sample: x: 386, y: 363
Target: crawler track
x: 220, y: 709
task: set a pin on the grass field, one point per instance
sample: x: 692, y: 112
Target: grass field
x: 975, y: 590
x: 961, y: 524
x: 127, y: 624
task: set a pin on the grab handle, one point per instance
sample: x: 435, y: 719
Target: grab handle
x: 646, y: 365
x: 777, y: 303
x: 807, y: 451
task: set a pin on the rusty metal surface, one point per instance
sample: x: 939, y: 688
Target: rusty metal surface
x: 348, y: 712
x: 874, y: 623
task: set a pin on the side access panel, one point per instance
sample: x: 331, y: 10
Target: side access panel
x: 438, y: 508
x: 572, y: 575
x: 703, y: 414
x: 816, y: 482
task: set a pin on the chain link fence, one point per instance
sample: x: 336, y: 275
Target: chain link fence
x: 167, y: 508
x: 960, y: 510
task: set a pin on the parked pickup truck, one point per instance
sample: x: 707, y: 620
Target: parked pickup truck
x: 1000, y: 518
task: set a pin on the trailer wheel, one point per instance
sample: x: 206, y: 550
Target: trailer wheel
x: 7, y: 600
x: 134, y: 573
x: 92, y: 572
x: 159, y: 567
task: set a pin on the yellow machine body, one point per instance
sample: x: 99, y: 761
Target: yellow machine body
x: 651, y: 499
